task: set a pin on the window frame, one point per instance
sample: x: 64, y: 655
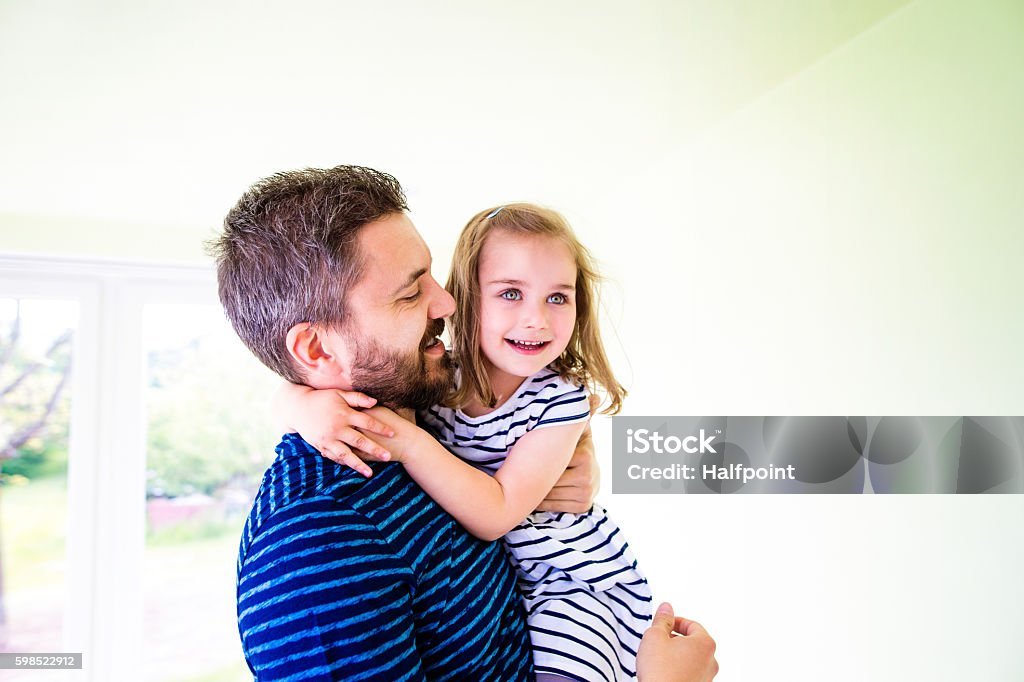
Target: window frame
x: 106, y: 523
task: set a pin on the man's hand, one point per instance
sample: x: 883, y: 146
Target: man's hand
x: 667, y: 657
x: 574, y: 491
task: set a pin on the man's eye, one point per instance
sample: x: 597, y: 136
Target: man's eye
x: 558, y: 299
x: 511, y: 295
x: 413, y: 297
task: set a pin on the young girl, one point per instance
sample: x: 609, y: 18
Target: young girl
x: 526, y: 342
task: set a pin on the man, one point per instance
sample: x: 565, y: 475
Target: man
x: 342, y: 577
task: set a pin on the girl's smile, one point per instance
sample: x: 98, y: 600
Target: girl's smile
x: 527, y: 347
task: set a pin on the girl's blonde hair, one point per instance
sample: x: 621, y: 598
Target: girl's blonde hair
x: 583, y: 361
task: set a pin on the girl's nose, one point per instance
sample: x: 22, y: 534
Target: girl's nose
x: 534, y: 317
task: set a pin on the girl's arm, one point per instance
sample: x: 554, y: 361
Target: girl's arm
x: 488, y: 507
x: 327, y: 420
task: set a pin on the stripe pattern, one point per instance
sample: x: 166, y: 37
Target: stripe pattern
x: 587, y: 602
x: 346, y: 578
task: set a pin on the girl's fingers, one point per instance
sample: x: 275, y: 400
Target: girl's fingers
x: 330, y: 454
x: 359, y: 441
x: 357, y: 399
x: 368, y: 423
x: 359, y: 465
x: 339, y: 453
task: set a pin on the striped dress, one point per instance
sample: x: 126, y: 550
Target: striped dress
x: 346, y: 578
x: 587, y: 602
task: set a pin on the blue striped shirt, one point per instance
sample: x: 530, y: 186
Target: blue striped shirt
x: 346, y: 578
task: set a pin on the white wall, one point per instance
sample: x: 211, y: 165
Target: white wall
x: 805, y: 209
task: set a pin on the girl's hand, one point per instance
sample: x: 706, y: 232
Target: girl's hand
x: 406, y: 438
x: 328, y: 420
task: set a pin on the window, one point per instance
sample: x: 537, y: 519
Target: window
x: 36, y: 340
x: 208, y: 442
x: 126, y: 532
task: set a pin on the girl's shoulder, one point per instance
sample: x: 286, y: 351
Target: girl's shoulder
x: 548, y: 383
x: 544, y: 399
x: 551, y: 399
x: 440, y: 420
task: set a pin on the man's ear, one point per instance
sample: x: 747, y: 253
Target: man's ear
x: 318, y: 352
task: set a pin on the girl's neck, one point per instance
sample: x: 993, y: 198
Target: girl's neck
x: 503, y: 385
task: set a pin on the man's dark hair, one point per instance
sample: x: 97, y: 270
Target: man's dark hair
x: 289, y: 253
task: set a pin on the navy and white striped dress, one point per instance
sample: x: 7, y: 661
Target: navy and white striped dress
x: 587, y: 603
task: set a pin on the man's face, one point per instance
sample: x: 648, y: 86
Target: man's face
x: 397, y: 312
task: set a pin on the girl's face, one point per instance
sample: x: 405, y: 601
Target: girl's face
x: 527, y: 301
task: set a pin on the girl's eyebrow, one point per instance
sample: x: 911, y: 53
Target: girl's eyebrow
x: 520, y: 283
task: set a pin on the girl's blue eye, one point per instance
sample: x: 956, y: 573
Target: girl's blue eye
x: 511, y: 295
x: 558, y: 299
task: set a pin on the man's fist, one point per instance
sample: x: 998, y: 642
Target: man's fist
x: 675, y: 650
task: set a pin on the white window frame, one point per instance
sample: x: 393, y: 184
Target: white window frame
x: 103, y: 615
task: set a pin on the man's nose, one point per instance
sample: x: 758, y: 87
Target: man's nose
x: 441, y: 304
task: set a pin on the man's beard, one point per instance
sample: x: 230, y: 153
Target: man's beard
x: 398, y: 379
